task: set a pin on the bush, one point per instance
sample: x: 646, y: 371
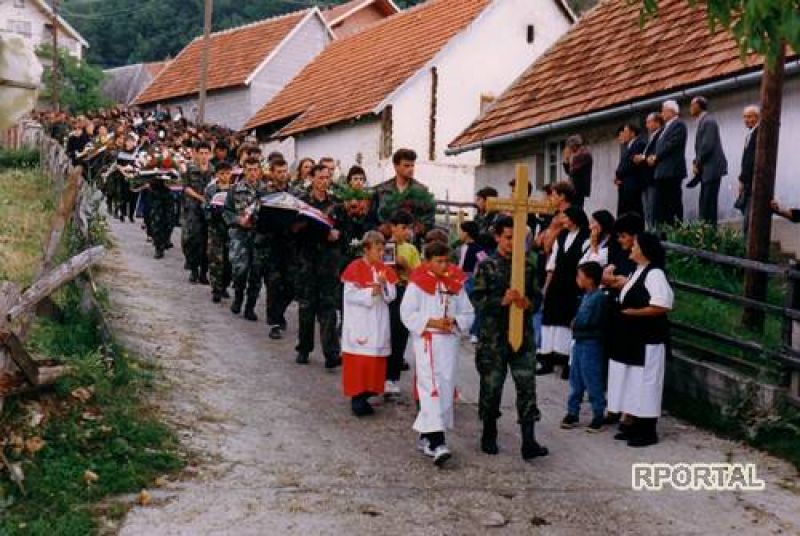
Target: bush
x: 19, y: 158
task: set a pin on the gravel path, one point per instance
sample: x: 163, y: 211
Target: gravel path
x: 279, y: 453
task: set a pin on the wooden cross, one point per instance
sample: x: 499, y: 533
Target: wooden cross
x: 519, y: 206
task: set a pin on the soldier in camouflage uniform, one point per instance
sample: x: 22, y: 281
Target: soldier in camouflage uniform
x: 492, y: 297
x: 241, y: 212
x: 219, y: 265
x: 317, y: 283
x: 159, y: 220
x: 278, y: 257
x: 194, y: 236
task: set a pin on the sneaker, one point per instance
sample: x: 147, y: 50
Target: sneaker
x: 391, y: 388
x: 275, y: 333
x: 569, y: 421
x: 473, y: 339
x: 596, y: 425
x: 440, y: 455
x: 422, y: 446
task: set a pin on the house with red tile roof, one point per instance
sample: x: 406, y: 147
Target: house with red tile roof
x: 248, y: 65
x: 609, y: 70
x: 351, y: 17
x: 415, y: 80
x: 123, y: 84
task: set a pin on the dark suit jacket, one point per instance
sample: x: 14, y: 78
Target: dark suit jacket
x: 671, y: 152
x: 579, y: 170
x: 648, y: 172
x: 709, y: 156
x: 749, y: 163
x: 628, y: 172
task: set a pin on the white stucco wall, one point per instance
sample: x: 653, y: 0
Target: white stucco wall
x: 355, y: 143
x: 304, y: 45
x: 483, y: 60
x: 9, y: 14
x: 227, y: 107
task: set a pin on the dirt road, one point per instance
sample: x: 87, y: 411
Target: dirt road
x: 280, y: 453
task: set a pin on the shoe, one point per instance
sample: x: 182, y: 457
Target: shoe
x: 282, y: 324
x: 170, y: 245
x: 612, y: 418
x: 203, y: 278
x: 250, y: 314
x: 225, y: 293
x: 405, y: 366
x: 440, y: 454
x: 565, y: 372
x: 333, y: 362
x: 159, y: 254
x: 422, y: 445
x: 569, y: 421
x: 623, y: 433
x: 236, y: 306
x: 693, y: 183
x: 545, y: 368
x: 530, y: 448
x: 473, y: 339
x: 489, y: 437
x: 390, y: 388
x: 643, y: 441
x: 301, y: 359
x: 216, y: 296
x: 194, y: 278
x: 361, y: 407
x: 596, y: 425
x: 275, y: 333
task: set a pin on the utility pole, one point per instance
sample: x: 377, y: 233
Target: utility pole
x: 201, y: 104
x: 54, y: 75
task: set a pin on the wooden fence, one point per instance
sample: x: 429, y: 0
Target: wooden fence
x: 19, y: 372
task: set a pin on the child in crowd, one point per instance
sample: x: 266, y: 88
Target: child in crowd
x: 588, y: 331
x: 407, y: 259
x: 469, y: 255
x: 434, y: 309
x: 369, y: 286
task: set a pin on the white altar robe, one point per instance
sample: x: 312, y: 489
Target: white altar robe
x: 436, y: 351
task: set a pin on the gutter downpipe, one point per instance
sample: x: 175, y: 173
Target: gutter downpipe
x: 734, y: 82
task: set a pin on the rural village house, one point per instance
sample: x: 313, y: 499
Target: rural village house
x: 32, y: 20
x: 123, y: 84
x: 413, y: 80
x: 608, y: 70
x: 352, y: 17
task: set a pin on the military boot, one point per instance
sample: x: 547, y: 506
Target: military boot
x: 489, y: 437
x: 236, y: 306
x: 530, y: 448
x: 250, y: 310
x: 203, y: 278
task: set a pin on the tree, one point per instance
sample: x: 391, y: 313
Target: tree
x: 79, y: 82
x: 764, y: 27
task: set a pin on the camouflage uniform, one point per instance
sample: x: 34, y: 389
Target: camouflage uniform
x: 194, y: 236
x: 494, y: 356
x: 277, y: 260
x: 243, y: 242
x: 317, y: 285
x: 219, y: 264
x: 159, y: 219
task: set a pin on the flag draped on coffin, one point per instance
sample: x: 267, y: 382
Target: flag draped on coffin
x: 280, y: 210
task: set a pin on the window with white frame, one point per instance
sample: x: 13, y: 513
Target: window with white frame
x: 21, y: 27
x: 555, y: 156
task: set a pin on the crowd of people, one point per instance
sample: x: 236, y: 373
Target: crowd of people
x: 379, y: 275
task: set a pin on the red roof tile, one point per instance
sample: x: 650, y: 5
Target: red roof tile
x: 233, y: 56
x: 334, y: 13
x: 607, y: 59
x: 352, y: 76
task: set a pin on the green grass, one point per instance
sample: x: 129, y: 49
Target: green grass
x: 19, y: 158
x: 27, y: 203
x: 122, y: 440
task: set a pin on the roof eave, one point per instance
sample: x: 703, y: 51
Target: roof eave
x: 728, y: 83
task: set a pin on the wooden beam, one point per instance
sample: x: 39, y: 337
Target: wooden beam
x: 21, y: 357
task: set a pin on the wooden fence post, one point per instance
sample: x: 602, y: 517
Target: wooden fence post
x: 791, y: 328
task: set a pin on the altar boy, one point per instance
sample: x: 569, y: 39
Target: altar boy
x: 434, y: 309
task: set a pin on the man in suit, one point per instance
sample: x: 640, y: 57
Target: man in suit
x: 669, y: 161
x: 628, y: 179
x: 654, y: 124
x: 752, y: 116
x: 710, y: 164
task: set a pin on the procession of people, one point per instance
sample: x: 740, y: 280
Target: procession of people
x: 370, y: 267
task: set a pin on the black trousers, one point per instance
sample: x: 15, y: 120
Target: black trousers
x: 669, y: 201
x: 709, y: 200
x: 280, y: 292
x: 629, y: 200
x: 399, y: 333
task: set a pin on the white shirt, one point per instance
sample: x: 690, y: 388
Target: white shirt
x: 551, y: 260
x: 657, y: 286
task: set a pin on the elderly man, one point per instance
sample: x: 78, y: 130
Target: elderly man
x: 710, y: 164
x: 752, y: 116
x: 578, y: 165
x: 669, y: 161
x: 654, y: 124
